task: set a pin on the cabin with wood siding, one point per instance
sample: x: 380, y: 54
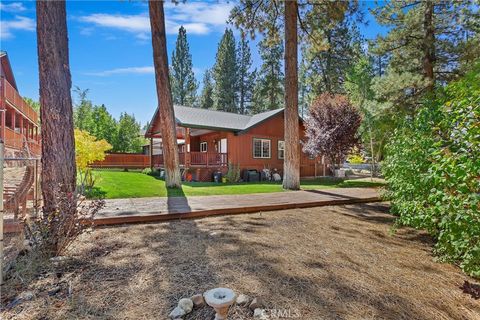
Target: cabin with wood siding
x: 209, y: 139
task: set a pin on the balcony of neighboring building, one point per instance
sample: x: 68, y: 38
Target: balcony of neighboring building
x: 18, y: 120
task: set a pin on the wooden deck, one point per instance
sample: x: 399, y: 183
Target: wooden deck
x: 140, y: 210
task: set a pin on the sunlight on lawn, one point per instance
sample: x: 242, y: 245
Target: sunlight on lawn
x: 133, y: 184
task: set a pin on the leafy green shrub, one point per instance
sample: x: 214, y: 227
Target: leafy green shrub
x: 147, y: 171
x: 233, y: 173
x: 355, y: 159
x: 433, y: 172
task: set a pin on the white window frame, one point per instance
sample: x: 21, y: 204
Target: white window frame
x: 202, y: 144
x: 281, y: 149
x: 262, y: 142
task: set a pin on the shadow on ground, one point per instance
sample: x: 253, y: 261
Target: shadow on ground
x: 339, y: 262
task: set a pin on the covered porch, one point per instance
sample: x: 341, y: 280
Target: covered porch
x: 193, y: 150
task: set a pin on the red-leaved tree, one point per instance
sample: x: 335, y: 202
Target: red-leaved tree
x: 331, y: 129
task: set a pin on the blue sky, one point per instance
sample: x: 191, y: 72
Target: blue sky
x: 110, y: 48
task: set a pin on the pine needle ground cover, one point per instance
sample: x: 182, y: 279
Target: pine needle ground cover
x: 339, y: 262
x: 114, y: 184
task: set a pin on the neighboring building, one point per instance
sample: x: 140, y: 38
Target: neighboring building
x: 209, y: 140
x: 18, y: 121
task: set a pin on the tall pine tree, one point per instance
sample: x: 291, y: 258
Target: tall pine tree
x: 269, y: 89
x: 225, y: 74
x: 246, y: 78
x: 82, y: 111
x: 206, y: 99
x: 182, y: 78
x: 104, y: 126
x: 427, y: 43
x: 327, y: 64
x: 128, y: 135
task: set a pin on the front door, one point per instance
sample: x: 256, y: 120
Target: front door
x: 223, y: 146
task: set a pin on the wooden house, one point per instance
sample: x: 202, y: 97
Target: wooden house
x: 208, y: 140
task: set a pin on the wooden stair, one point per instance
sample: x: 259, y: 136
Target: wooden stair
x: 15, y: 195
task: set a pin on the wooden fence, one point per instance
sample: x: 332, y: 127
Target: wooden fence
x: 123, y: 160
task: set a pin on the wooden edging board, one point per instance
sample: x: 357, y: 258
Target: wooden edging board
x: 161, y: 217
x: 145, y: 218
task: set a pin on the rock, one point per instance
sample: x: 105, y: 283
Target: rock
x: 59, y: 259
x: 259, y: 314
x: 27, y: 246
x: 242, y: 299
x: 256, y: 303
x: 54, y: 291
x: 177, y: 313
x: 186, y: 304
x: 198, y: 300
x: 26, y: 296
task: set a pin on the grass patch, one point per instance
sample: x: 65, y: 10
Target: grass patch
x: 114, y: 184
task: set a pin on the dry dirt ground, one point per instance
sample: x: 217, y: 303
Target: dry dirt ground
x: 339, y: 262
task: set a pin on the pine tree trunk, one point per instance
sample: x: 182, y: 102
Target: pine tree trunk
x: 165, y: 105
x: 429, y: 45
x: 291, y: 166
x: 58, y: 144
x: 371, y: 150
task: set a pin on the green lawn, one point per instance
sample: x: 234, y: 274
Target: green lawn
x: 133, y: 184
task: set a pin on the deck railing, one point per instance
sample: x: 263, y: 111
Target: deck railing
x: 18, y: 141
x: 16, y: 100
x: 209, y: 159
x: 203, y: 159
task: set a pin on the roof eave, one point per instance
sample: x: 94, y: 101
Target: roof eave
x: 197, y: 126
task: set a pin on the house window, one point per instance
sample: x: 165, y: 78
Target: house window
x: 203, y: 147
x: 281, y: 149
x: 261, y: 148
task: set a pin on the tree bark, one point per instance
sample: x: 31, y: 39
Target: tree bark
x: 429, y: 45
x: 164, y: 94
x: 58, y: 144
x: 291, y: 166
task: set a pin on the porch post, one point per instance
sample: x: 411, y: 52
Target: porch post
x: 3, y: 111
x: 21, y: 125
x: 151, y: 153
x: 13, y: 119
x: 187, y: 148
x: 2, y: 124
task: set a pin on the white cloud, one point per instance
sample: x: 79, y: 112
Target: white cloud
x: 12, y: 7
x: 215, y: 13
x: 133, y: 70
x: 19, y: 23
x: 130, y: 70
x: 131, y: 23
x: 198, y: 18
